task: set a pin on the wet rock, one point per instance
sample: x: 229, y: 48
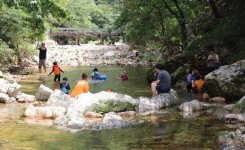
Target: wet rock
x: 43, y: 93
x: 127, y: 114
x: 158, y: 102
x: 44, y: 112
x: 191, y: 106
x: 239, y: 117
x: 217, y: 100
x: 90, y: 114
x: 239, y: 106
x: 228, y: 81
x: 234, y: 140
x: 4, y: 98
x: 25, y: 98
x: 58, y: 98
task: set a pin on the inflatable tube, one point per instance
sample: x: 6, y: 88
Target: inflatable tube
x: 103, y: 77
x: 91, y: 81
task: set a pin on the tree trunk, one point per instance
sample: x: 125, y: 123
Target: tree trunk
x: 214, y: 9
x: 182, y: 23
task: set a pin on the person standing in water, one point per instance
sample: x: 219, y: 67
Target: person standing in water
x: 123, y: 77
x: 64, y: 86
x: 56, y: 70
x: 42, y: 57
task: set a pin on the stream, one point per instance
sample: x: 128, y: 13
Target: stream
x: 169, y: 130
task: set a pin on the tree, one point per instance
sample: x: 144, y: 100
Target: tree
x: 22, y: 21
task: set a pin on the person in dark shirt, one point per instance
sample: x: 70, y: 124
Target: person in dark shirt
x: 163, y: 82
x: 42, y: 57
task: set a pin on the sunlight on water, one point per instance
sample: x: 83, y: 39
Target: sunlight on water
x: 136, y: 85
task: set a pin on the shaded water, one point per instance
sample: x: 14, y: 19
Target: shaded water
x: 168, y: 131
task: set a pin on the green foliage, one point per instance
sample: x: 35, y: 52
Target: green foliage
x: 23, y: 21
x: 239, y: 107
x: 112, y: 107
x: 158, y: 20
x: 6, y: 54
x: 150, y: 58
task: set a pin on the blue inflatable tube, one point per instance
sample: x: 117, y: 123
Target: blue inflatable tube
x: 103, y: 77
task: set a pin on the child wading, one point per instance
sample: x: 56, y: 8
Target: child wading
x: 64, y: 85
x: 56, y: 70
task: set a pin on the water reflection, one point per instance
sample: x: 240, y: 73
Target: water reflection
x: 168, y: 130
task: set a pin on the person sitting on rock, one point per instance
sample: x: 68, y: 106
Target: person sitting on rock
x: 134, y: 54
x: 82, y: 86
x: 197, y: 85
x: 190, y: 79
x: 163, y: 81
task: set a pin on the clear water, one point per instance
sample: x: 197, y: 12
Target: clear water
x: 168, y: 131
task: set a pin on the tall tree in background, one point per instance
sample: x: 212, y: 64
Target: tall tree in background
x: 166, y: 18
x: 23, y: 21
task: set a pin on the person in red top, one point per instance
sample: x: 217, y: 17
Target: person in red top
x: 124, y: 76
x: 56, y: 70
x: 82, y: 86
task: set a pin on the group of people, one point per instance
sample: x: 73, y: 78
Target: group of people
x: 194, y: 79
x: 161, y: 85
x: 194, y: 82
x: 82, y: 86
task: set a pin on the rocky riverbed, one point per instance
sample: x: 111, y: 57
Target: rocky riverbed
x: 87, y: 55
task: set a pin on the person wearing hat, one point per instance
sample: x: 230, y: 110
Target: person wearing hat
x: 82, y: 86
x: 163, y: 82
x: 124, y: 76
x: 64, y: 85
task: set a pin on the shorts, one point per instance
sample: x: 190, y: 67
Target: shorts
x: 161, y: 89
x: 42, y: 62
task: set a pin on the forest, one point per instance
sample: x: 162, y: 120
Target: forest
x: 163, y: 27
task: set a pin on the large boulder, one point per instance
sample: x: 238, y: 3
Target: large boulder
x: 25, y: 98
x: 44, y: 112
x: 43, y: 93
x: 158, y: 102
x: 228, y: 81
x: 60, y: 99
x: 103, y: 110
x: 239, y: 106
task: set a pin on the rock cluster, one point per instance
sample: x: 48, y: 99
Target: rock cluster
x: 103, y: 110
x: 233, y: 140
x: 88, y: 54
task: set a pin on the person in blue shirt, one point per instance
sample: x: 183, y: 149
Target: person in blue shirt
x: 190, y: 79
x: 64, y: 85
x: 97, y: 76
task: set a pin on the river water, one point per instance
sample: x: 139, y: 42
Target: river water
x: 168, y: 131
